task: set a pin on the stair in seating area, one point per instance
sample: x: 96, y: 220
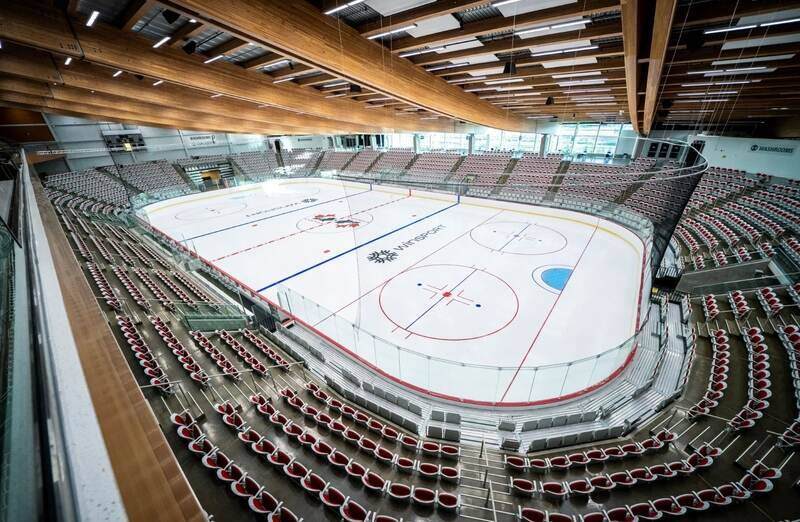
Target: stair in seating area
x: 633, y: 187
x: 348, y: 162
x: 502, y: 180
x: 377, y: 159
x: 111, y: 173
x: 510, y: 167
x: 557, y: 179
x: 314, y: 167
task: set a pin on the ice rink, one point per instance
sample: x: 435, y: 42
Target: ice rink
x: 470, y: 299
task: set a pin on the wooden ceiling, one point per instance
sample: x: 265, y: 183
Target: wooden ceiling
x: 340, y: 66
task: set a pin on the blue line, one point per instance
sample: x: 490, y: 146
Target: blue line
x: 276, y: 215
x: 354, y: 248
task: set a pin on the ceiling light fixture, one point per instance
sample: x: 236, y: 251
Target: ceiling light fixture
x: 570, y: 24
x: 335, y: 84
x: 192, y: 21
x: 161, y: 42
x: 575, y: 74
x: 728, y: 29
x: 92, y: 18
x: 705, y: 100
x: 343, y: 6
x: 508, y: 80
x: 290, y: 78
x: 68, y: 60
x: 279, y: 62
x: 504, y: 2
x: 214, y: 59
x: 393, y: 31
x: 216, y: 95
x: 422, y: 51
x: 780, y: 22
x: 720, y: 93
x: 159, y: 82
x: 336, y: 95
x: 448, y: 66
x: 117, y: 73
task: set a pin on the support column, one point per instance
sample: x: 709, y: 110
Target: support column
x: 470, y: 143
x: 543, y: 144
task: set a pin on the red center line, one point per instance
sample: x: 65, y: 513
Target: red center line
x: 409, y: 267
x: 549, y: 312
x: 305, y: 230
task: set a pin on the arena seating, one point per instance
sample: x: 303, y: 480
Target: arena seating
x: 393, y: 161
x: 333, y: 160
x: 255, y: 163
x: 362, y: 161
x: 90, y: 183
x: 352, y: 457
x: 299, y: 159
x: 153, y: 175
x: 431, y: 167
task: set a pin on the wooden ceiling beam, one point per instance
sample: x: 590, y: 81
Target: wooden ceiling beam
x: 298, y: 30
x: 630, y: 42
x: 48, y: 29
x: 88, y: 77
x: 500, y: 24
x: 264, y: 60
x: 229, y: 47
x: 418, y: 14
x: 185, y: 33
x: 516, y: 43
x: 662, y: 26
x: 133, y: 12
x: 97, y: 112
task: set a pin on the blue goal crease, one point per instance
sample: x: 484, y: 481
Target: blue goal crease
x: 355, y: 248
x: 274, y: 216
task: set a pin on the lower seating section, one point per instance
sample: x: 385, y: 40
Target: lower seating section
x: 484, y: 169
x: 90, y: 183
x: 333, y: 160
x: 363, y: 160
x: 256, y: 163
x: 432, y: 167
x: 153, y: 175
x: 300, y: 159
x: 393, y: 161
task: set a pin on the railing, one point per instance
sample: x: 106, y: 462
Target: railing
x: 490, y: 384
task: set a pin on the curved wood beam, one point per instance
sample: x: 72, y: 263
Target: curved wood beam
x: 49, y: 29
x: 300, y: 31
x: 662, y: 26
x: 630, y: 42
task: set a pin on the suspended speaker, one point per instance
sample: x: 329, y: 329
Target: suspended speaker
x: 550, y: 100
x: 355, y: 88
x: 190, y: 47
x: 694, y: 40
x: 667, y: 104
x: 509, y: 68
x: 170, y: 16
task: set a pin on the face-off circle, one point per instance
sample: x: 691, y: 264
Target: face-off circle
x: 332, y: 223
x: 211, y: 210
x: 519, y: 238
x: 448, y: 302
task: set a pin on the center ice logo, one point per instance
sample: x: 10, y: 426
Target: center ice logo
x: 382, y: 256
x: 340, y: 222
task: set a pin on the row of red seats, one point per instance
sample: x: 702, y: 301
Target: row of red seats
x: 126, y: 259
x: 673, y: 506
x: 100, y: 248
x: 770, y: 301
x: 196, y: 373
x: 718, y: 377
x: 758, y: 381
x: 436, y: 449
x: 259, y: 343
x: 382, y: 454
x: 231, y: 475
x: 102, y: 284
x: 219, y: 358
x: 710, y: 307
x: 242, y: 352
x: 738, y: 303
x: 154, y: 288
x: 183, y: 297
x: 130, y: 287
x: 142, y: 352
